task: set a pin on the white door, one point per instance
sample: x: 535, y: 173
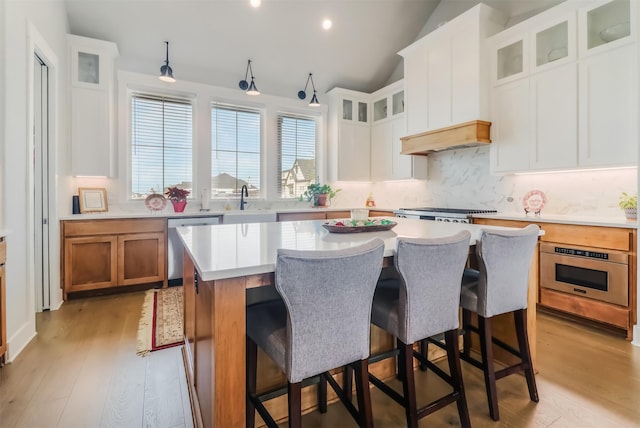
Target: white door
x: 41, y: 182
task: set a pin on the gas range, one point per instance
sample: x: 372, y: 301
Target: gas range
x: 453, y: 215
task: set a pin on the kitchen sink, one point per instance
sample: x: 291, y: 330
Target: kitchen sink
x: 247, y: 216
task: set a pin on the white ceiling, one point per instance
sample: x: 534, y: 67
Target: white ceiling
x: 211, y: 40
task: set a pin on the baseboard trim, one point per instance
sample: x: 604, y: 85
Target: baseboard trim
x: 20, y: 340
x: 636, y: 335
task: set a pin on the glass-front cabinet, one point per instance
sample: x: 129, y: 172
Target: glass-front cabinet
x: 554, y: 43
x: 389, y: 103
x: 607, y: 24
x: 355, y: 110
x: 510, y: 60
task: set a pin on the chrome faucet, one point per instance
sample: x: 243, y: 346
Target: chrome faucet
x: 243, y: 192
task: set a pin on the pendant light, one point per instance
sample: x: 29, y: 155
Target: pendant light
x: 245, y: 86
x: 303, y: 94
x: 166, y: 73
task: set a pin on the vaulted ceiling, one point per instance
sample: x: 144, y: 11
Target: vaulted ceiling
x: 211, y: 40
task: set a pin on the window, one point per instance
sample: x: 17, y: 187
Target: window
x: 235, y: 150
x: 296, y: 154
x: 161, y: 144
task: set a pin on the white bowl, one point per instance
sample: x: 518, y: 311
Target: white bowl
x: 615, y: 32
x: 557, y: 53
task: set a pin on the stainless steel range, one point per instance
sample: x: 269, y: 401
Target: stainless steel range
x: 453, y: 215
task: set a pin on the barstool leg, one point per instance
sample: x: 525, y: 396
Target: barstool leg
x: 424, y: 351
x: 408, y: 383
x: 466, y: 342
x: 322, y: 394
x: 486, y: 346
x: 252, y: 370
x: 520, y: 318
x: 364, y: 394
x: 295, y: 404
x: 347, y: 385
x: 453, y: 355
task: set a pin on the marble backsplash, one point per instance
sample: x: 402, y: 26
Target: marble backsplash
x: 461, y: 179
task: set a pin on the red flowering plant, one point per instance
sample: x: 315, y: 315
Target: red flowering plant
x: 176, y: 193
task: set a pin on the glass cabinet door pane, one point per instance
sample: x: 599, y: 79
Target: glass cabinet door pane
x: 362, y: 112
x: 380, y: 109
x: 347, y: 109
x: 552, y: 43
x: 510, y: 60
x: 88, y: 68
x: 398, y: 103
x: 608, y: 23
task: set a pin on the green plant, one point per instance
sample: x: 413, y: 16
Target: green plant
x: 627, y: 201
x: 314, y: 189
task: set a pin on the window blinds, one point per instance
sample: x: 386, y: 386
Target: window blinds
x: 296, y: 154
x: 235, y: 150
x: 161, y: 144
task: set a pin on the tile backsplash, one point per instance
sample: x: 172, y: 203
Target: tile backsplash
x: 461, y: 179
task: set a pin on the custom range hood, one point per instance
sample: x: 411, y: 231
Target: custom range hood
x: 468, y: 134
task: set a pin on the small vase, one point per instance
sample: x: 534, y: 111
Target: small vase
x: 321, y: 200
x: 179, y: 206
x: 631, y: 213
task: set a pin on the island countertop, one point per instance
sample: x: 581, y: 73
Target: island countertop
x: 235, y: 250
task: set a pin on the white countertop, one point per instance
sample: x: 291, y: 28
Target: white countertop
x: 168, y: 214
x: 233, y: 250
x: 565, y: 219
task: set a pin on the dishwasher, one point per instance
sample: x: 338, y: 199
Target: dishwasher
x: 175, y: 247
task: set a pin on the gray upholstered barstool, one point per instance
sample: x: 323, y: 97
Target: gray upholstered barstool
x: 321, y: 323
x: 499, y: 286
x: 424, y: 303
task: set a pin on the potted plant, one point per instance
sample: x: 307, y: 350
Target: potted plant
x: 630, y: 205
x: 320, y: 194
x: 178, y: 198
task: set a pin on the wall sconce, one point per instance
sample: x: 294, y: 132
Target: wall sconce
x: 166, y: 73
x: 303, y: 94
x: 245, y: 86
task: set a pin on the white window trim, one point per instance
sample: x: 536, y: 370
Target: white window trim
x: 203, y: 95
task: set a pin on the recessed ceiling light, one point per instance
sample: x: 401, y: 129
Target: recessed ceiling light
x: 326, y: 24
x: 255, y: 3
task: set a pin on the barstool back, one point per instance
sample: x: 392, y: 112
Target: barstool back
x: 504, y: 258
x: 430, y: 272
x: 328, y: 295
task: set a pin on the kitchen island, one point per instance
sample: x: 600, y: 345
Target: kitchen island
x: 222, y: 262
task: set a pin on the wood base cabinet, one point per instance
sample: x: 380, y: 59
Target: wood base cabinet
x: 111, y: 253
x: 3, y: 303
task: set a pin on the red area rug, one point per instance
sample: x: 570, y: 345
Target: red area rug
x: 160, y: 323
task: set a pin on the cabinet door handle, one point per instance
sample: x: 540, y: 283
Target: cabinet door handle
x: 195, y: 280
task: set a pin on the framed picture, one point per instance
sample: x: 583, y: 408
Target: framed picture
x: 93, y: 200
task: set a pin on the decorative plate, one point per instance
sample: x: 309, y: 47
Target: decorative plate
x: 351, y: 226
x: 155, y: 202
x: 534, y: 201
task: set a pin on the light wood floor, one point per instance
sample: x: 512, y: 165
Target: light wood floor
x: 81, y: 370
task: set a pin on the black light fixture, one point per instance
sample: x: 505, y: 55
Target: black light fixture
x: 245, y: 86
x: 303, y: 94
x: 166, y: 73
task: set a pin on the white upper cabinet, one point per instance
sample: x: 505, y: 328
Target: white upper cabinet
x: 510, y: 129
x: 349, y: 136
x: 580, y: 95
x: 553, y: 119
x: 607, y: 24
x: 446, y: 78
x: 609, y: 108
x: 91, y: 77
